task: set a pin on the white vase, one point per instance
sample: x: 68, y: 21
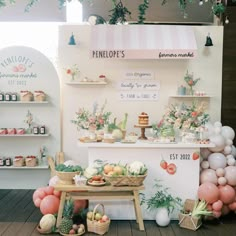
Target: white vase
x: 162, y: 217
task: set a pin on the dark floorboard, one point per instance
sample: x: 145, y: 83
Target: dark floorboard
x: 19, y: 217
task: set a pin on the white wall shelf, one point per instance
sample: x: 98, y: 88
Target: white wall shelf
x: 190, y: 96
x: 24, y: 167
x: 24, y: 135
x: 87, y: 83
x: 22, y: 102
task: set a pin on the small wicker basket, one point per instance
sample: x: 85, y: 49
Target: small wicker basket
x: 125, y: 180
x: 98, y: 227
x: 40, y: 97
x: 27, y: 97
x: 18, y: 162
x: 30, y: 161
x: 66, y: 177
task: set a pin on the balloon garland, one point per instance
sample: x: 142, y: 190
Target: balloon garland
x: 218, y: 171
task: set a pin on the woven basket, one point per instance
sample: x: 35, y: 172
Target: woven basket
x: 31, y: 162
x: 27, y: 97
x: 98, y: 227
x: 66, y: 177
x: 127, y: 180
x: 40, y: 98
x: 18, y: 162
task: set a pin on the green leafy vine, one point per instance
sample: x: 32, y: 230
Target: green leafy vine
x: 142, y: 11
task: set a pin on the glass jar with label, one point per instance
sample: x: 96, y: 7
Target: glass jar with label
x: 8, y: 161
x: 42, y: 130
x: 2, y: 161
x: 1, y: 96
x: 14, y: 97
x: 7, y: 97
x: 36, y: 130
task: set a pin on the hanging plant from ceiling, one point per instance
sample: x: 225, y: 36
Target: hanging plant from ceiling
x: 142, y: 11
x: 119, y: 14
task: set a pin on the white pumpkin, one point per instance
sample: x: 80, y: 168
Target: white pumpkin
x: 47, y: 222
x: 117, y: 134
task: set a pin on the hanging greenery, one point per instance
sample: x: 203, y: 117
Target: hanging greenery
x: 119, y: 13
x: 142, y: 11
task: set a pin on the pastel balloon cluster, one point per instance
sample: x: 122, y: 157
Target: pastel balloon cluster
x: 218, y: 171
x: 47, y: 199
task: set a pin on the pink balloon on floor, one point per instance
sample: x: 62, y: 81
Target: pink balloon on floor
x: 39, y: 193
x: 216, y: 214
x: 225, y: 210
x: 232, y: 206
x: 49, y: 190
x: 227, y: 194
x: 49, y: 205
x: 37, y: 202
x: 217, y: 206
x: 208, y: 192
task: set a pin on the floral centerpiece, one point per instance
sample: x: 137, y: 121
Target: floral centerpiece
x: 183, y: 117
x: 95, y: 120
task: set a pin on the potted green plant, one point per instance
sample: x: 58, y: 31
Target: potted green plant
x: 163, y: 202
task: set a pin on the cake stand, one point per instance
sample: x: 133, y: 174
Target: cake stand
x: 143, y: 127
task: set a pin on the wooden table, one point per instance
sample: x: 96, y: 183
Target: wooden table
x: 107, y: 192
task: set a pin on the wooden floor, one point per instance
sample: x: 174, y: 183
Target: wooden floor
x: 19, y: 217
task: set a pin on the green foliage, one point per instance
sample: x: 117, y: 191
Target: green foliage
x: 142, y: 11
x: 64, y: 168
x: 161, y: 198
x: 119, y: 13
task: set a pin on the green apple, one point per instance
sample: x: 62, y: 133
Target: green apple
x: 90, y: 215
x: 98, y: 216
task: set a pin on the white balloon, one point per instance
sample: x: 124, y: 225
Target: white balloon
x: 227, y: 150
x: 220, y: 172
x: 205, y: 164
x: 217, y: 124
x: 233, y: 150
x: 205, y: 152
x: 229, y: 156
x: 209, y: 129
x: 229, y: 142
x: 222, y: 181
x: 231, y: 161
x: 228, y: 132
x: 217, y: 160
x: 208, y: 175
x: 230, y: 175
x: 217, y: 130
x: 219, y: 142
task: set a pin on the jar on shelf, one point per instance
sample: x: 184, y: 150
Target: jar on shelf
x: 8, y: 161
x: 36, y: 130
x: 8, y: 97
x: 42, y: 130
x: 1, y: 96
x: 14, y: 97
x: 2, y: 161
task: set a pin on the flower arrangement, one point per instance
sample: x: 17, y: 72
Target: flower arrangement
x: 72, y: 71
x: 94, y: 120
x: 29, y: 120
x: 184, y: 117
x: 190, y: 81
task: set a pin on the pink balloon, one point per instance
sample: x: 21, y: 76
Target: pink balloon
x: 209, y: 207
x: 230, y: 175
x: 49, y: 205
x: 54, y: 180
x: 217, y: 206
x: 232, y: 206
x: 208, y: 192
x: 49, y: 190
x: 216, y: 214
x: 57, y: 193
x: 208, y: 175
x: 227, y: 194
x: 37, y: 202
x: 39, y: 193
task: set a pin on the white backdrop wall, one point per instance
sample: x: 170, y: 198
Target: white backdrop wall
x: 170, y: 73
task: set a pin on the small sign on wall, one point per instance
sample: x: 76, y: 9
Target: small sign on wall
x: 139, y: 85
